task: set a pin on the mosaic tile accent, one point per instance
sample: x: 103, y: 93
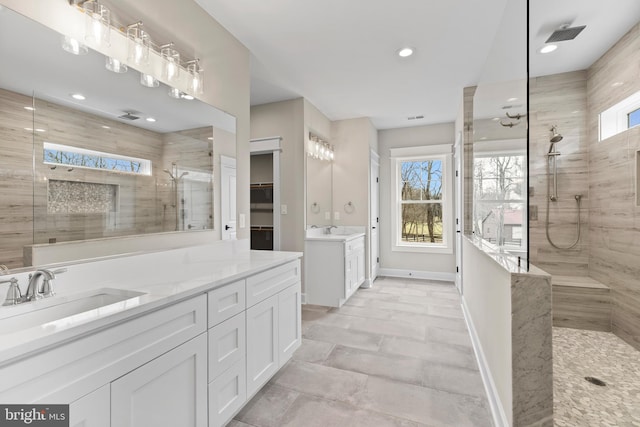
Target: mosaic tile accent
x: 73, y: 197
x: 578, y: 403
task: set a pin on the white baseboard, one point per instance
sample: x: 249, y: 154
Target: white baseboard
x: 417, y: 274
x: 497, y: 409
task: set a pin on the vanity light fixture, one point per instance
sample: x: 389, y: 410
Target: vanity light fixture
x: 98, y: 23
x: 171, y: 65
x: 148, y: 80
x: 71, y: 45
x: 139, y: 44
x: 115, y: 65
x: 195, y: 77
x: 548, y: 48
x: 319, y: 149
x: 78, y: 96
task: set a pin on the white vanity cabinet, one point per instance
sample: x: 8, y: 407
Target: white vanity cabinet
x: 334, y: 268
x: 170, y: 390
x: 92, y: 410
x: 190, y: 363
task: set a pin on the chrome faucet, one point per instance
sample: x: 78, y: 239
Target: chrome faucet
x: 13, y: 294
x: 327, y: 230
x: 34, y: 291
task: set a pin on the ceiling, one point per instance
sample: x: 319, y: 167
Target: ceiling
x: 341, y: 55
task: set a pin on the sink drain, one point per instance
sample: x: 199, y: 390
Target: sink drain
x: 596, y: 381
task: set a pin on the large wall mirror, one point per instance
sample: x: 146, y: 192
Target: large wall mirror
x: 88, y: 153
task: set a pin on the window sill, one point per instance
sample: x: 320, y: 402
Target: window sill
x: 444, y: 250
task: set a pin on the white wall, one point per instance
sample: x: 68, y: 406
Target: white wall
x: 487, y: 303
x: 285, y: 119
x: 421, y: 264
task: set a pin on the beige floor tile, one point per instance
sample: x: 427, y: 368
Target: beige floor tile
x: 388, y: 327
x: 350, y: 310
x: 400, y: 368
x: 268, y: 406
x: 460, y: 338
x: 336, y: 335
x: 236, y: 423
x: 445, y: 311
x: 453, y: 379
x: 311, y: 411
x: 323, y: 381
x: 404, y: 292
x: 313, y: 351
x: 424, y: 405
x: 437, y: 352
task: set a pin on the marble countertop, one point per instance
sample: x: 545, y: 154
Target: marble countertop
x: 334, y: 233
x: 335, y: 237
x: 162, y: 278
x: 509, y: 261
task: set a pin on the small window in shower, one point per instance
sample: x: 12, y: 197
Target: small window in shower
x: 58, y: 154
x: 620, y: 117
x: 633, y: 118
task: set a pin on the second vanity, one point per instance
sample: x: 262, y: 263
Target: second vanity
x: 196, y: 333
x: 334, y: 264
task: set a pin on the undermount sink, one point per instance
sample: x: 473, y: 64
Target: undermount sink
x: 66, y: 310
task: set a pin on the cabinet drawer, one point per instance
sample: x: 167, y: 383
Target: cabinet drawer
x: 227, y: 394
x: 225, y: 302
x: 227, y: 345
x: 353, y: 246
x: 268, y: 283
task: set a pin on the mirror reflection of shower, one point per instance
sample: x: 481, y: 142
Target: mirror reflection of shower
x: 177, y: 202
x: 552, y: 190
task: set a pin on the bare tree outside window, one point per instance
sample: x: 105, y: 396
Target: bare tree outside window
x: 421, y: 201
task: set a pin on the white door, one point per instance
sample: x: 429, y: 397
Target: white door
x: 168, y: 391
x: 228, y: 197
x: 459, y: 203
x: 374, y: 245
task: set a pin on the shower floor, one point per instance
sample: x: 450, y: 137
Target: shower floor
x: 578, y: 354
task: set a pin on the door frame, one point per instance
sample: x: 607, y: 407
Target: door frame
x: 373, y: 259
x: 266, y: 146
x: 228, y: 163
x: 459, y: 174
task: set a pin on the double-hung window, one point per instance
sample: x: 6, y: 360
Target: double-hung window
x: 422, y: 199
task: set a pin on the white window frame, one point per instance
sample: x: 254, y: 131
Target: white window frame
x: 615, y: 119
x: 441, y: 152
x: 145, y: 164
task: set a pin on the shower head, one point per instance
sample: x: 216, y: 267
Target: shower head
x: 556, y: 137
x: 169, y: 172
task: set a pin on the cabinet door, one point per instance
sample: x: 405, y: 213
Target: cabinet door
x: 227, y: 394
x: 92, y: 410
x: 262, y: 343
x: 289, y: 318
x: 350, y: 275
x: 361, y: 267
x: 169, y: 391
x: 226, y: 345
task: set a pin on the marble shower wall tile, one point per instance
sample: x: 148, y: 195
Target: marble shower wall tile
x: 614, y: 232
x: 532, y: 353
x: 560, y: 100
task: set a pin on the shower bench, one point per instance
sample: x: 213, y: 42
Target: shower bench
x: 581, y: 302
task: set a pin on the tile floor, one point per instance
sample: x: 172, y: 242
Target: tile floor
x: 578, y: 403
x: 398, y: 354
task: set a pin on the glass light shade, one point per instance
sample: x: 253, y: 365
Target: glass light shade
x: 138, y: 44
x: 171, y: 66
x: 98, y: 23
x: 115, y: 65
x: 195, y: 78
x: 73, y: 46
x: 148, y: 80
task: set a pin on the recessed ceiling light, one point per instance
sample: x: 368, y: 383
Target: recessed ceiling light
x: 78, y: 96
x: 29, y: 108
x: 548, y: 48
x: 405, y: 52
x: 512, y: 99
x: 151, y: 119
